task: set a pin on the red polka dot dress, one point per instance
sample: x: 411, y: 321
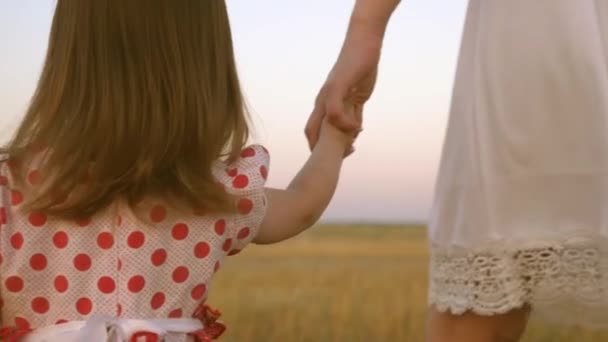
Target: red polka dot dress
x: 118, y: 265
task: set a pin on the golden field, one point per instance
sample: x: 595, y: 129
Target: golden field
x: 339, y: 283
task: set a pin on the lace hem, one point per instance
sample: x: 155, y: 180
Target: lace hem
x: 565, y: 281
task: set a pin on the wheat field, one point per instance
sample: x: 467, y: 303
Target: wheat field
x: 339, y: 283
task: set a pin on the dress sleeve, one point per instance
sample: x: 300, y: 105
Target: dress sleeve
x: 245, y: 179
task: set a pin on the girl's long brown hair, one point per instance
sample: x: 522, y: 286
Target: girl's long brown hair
x: 140, y: 97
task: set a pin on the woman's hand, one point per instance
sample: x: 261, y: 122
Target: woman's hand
x: 353, y: 77
x: 350, y: 83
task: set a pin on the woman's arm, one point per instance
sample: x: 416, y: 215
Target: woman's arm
x: 371, y: 17
x: 297, y: 208
x: 353, y: 77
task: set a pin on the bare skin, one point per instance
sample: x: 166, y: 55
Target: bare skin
x: 470, y: 327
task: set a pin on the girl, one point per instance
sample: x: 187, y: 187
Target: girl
x: 128, y: 182
x: 520, y: 218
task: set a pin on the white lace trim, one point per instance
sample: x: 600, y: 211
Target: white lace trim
x: 565, y: 281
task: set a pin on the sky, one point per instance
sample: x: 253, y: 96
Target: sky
x: 284, y: 50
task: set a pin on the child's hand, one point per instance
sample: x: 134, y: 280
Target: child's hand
x: 335, y: 135
x: 332, y: 134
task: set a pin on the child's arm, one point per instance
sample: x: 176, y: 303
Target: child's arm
x: 297, y: 208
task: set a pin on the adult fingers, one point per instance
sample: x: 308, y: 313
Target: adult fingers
x: 313, y: 126
x: 335, y: 109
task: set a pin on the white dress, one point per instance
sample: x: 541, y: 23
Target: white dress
x: 521, y: 209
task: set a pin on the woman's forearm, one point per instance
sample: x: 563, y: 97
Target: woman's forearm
x: 372, y: 16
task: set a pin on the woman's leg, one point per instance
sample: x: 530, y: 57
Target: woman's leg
x: 469, y: 327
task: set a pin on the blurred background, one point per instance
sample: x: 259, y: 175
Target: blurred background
x: 361, y: 274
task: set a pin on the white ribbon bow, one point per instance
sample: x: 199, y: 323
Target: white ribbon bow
x: 110, y: 329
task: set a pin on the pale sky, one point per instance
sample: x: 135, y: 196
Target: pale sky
x: 284, y: 50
